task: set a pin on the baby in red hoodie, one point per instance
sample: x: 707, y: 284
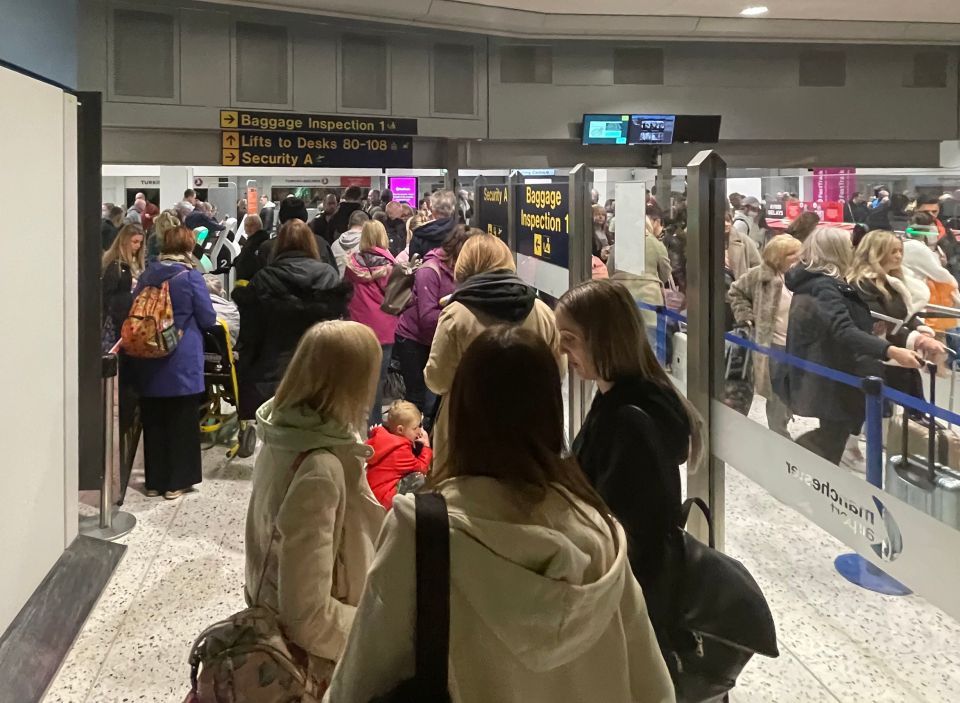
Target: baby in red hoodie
x: 400, y: 447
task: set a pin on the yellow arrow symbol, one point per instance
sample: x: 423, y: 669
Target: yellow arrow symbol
x: 231, y: 157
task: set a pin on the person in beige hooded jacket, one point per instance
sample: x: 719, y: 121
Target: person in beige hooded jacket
x: 488, y: 293
x: 313, y: 520
x: 543, y: 604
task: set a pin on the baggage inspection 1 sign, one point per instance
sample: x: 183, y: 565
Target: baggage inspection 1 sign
x: 321, y: 124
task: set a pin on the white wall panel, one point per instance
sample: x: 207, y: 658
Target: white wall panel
x: 33, y: 362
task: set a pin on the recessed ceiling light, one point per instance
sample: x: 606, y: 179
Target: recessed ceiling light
x: 755, y: 11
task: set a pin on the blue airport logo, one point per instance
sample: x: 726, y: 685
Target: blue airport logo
x: 890, y: 545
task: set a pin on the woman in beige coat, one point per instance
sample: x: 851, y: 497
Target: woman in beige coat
x: 543, y: 605
x: 759, y: 300
x: 488, y: 293
x: 313, y: 520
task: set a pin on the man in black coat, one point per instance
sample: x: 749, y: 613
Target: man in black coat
x: 396, y: 228
x: 251, y: 257
x: 295, y: 209
x: 321, y: 224
x: 340, y: 222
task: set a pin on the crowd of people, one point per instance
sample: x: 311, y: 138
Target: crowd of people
x: 578, y: 537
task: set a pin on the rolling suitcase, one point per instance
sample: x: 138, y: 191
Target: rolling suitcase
x: 678, y: 359
x: 738, y: 383
x: 922, y: 481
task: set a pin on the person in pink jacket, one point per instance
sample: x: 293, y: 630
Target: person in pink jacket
x: 368, y: 270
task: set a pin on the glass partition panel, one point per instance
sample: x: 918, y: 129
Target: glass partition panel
x: 836, y: 421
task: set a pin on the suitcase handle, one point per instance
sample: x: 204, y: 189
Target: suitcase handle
x: 931, y: 428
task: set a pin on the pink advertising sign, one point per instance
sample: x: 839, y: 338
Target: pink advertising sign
x: 834, y: 184
x: 404, y: 189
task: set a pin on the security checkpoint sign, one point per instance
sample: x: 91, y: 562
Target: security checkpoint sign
x: 493, y: 210
x: 294, y: 149
x: 543, y: 222
x: 319, y: 124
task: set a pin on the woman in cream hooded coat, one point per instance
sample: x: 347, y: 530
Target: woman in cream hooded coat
x: 313, y: 520
x: 543, y: 604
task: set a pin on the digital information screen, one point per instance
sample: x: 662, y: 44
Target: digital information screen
x: 628, y: 129
x: 605, y: 129
x: 651, y: 129
x: 404, y: 189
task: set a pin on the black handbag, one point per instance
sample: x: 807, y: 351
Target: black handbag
x: 429, y: 683
x: 720, y: 617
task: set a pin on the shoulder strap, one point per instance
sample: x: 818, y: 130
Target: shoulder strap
x: 433, y: 594
x: 294, y: 468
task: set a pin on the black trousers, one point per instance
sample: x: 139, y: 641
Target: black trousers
x: 828, y: 441
x: 413, y: 358
x: 171, y: 442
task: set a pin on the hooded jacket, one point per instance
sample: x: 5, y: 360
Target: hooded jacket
x: 251, y: 257
x: 431, y: 235
x: 326, y: 520
x: 392, y: 459
x: 482, y: 301
x: 283, y: 300
x: 618, y: 451
x: 543, y: 606
x: 432, y: 282
x: 345, y: 246
x: 829, y: 325
x: 924, y: 264
x: 500, y: 294
x: 368, y: 273
x: 340, y: 222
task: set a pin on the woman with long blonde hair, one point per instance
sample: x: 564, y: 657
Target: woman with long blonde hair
x: 121, y: 266
x: 313, y: 521
x: 877, y: 274
x: 830, y: 325
x: 368, y: 271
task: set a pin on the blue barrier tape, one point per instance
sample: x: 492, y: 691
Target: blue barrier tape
x: 661, y: 310
x: 784, y: 358
x: 922, y: 406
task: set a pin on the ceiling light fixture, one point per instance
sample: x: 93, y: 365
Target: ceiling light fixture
x: 755, y: 11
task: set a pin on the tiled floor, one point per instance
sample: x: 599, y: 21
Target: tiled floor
x: 184, y: 570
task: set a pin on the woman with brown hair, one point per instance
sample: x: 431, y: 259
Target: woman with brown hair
x: 803, y: 226
x: 542, y: 601
x: 121, y: 266
x: 639, y: 429
x: 169, y: 387
x: 488, y: 293
x: 282, y: 301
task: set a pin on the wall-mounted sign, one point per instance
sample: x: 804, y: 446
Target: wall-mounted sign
x: 138, y: 182
x: 312, y: 150
x: 543, y: 222
x: 404, y: 189
x: 492, y: 209
x: 323, y: 124
x: 359, y: 181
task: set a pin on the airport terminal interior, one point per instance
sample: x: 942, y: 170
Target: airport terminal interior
x: 662, y: 299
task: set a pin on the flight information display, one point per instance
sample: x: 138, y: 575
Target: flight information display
x: 629, y: 129
x: 605, y: 129
x: 651, y: 129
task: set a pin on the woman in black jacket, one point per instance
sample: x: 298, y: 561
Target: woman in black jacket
x: 639, y: 429
x: 830, y: 325
x: 121, y: 266
x: 284, y: 299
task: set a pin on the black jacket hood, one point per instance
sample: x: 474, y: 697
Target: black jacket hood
x: 431, y: 235
x: 500, y: 294
x: 802, y: 281
x: 295, y: 281
x: 662, y: 405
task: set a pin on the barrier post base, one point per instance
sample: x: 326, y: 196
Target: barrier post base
x: 861, y: 572
x: 121, y: 524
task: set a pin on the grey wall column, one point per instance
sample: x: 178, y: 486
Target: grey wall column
x: 665, y: 179
x: 706, y: 179
x: 514, y: 180
x: 579, y: 234
x: 451, y: 162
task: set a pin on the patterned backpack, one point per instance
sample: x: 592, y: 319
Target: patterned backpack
x: 149, y: 332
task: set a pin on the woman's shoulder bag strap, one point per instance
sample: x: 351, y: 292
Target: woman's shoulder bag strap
x: 433, y: 595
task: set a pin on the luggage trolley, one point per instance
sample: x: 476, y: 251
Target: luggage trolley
x: 220, y: 380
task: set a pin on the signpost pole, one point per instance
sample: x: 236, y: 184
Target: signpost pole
x: 451, y: 162
x: 514, y: 181
x: 579, y: 237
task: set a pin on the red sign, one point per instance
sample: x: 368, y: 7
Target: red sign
x: 828, y: 211
x: 361, y: 181
x: 253, y: 201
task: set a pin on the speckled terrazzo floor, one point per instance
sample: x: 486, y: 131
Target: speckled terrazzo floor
x: 184, y: 570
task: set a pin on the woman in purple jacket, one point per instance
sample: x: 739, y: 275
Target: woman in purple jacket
x: 433, y: 281
x: 169, y: 388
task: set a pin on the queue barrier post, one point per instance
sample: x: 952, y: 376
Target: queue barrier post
x: 111, y: 523
x: 661, y: 336
x: 854, y: 567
